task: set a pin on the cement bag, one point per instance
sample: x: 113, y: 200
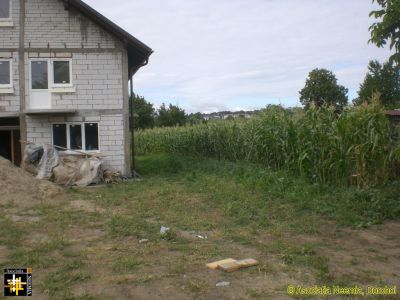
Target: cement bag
x: 78, y: 170
x: 48, y: 162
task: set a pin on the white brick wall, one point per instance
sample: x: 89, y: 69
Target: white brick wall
x: 110, y: 134
x: 97, y: 79
x: 48, y: 23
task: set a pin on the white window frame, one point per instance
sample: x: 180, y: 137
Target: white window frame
x: 82, y: 134
x: 7, y: 22
x: 10, y: 13
x: 51, y: 86
x: 61, y: 85
x: 48, y: 74
x: 10, y: 85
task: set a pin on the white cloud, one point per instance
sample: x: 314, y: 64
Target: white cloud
x: 213, y: 55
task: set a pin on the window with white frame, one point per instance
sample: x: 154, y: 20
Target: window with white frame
x: 5, y: 9
x: 62, y: 72
x: 5, y: 73
x: 76, y: 136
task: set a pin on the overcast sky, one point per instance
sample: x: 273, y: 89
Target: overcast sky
x: 212, y: 55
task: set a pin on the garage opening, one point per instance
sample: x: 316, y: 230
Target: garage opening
x: 10, y: 147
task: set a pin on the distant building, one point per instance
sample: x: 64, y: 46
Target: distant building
x: 224, y: 115
x: 394, y: 116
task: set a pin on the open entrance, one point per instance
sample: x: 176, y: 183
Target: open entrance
x: 10, y: 147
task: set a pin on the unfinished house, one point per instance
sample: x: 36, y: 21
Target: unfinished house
x: 64, y: 79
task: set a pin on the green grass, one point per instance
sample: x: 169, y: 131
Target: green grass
x: 245, y: 209
x: 126, y: 264
x: 262, y: 198
x: 57, y: 283
x: 131, y: 226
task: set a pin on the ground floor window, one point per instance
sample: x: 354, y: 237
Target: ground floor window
x: 5, y: 73
x: 76, y: 136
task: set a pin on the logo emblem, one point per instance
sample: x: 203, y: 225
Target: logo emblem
x: 18, y: 282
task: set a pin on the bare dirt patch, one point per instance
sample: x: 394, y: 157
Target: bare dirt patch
x: 363, y: 256
x: 22, y: 189
x: 86, y: 206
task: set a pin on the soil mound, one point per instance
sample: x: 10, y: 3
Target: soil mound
x: 22, y: 188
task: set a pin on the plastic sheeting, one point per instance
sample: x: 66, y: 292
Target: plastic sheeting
x: 78, y: 170
x: 46, y: 162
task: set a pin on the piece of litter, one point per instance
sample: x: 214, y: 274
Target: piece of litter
x: 223, y: 283
x: 141, y: 241
x: 201, y: 236
x: 214, y: 265
x: 164, y: 230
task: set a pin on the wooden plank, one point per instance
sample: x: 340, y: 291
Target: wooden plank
x: 239, y: 264
x: 229, y: 266
x: 215, y: 265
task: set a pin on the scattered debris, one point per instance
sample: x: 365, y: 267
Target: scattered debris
x: 199, y: 235
x: 111, y: 176
x: 192, y: 234
x: 230, y: 265
x: 223, y: 283
x: 142, y: 241
x: 164, y: 230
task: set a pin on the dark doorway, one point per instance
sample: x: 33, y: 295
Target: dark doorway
x: 10, y: 146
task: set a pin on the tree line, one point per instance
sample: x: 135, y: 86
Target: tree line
x: 146, y: 116
x: 321, y: 86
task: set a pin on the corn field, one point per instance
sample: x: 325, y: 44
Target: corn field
x: 355, y: 148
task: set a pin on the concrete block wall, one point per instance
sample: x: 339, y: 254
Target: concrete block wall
x: 38, y: 129
x: 48, y: 24
x: 96, y: 77
x: 11, y: 102
x: 112, y: 141
x: 9, y: 35
x: 111, y: 138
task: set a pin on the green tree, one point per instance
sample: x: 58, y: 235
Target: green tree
x: 321, y: 88
x: 383, y: 79
x: 143, y: 112
x: 387, y: 29
x: 170, y: 116
x: 196, y: 118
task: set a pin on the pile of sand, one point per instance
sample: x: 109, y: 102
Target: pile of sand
x: 22, y: 188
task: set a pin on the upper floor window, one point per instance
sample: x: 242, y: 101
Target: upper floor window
x: 5, y: 73
x: 62, y: 73
x: 5, y: 9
